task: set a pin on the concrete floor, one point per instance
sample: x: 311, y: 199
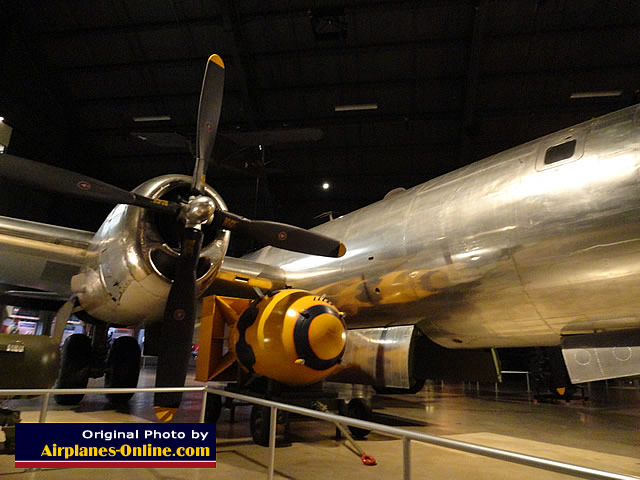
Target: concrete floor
x: 604, y: 436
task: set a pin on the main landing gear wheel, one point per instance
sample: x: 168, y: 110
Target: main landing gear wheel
x: 123, y: 368
x: 74, y: 367
x: 357, y: 408
x: 213, y: 409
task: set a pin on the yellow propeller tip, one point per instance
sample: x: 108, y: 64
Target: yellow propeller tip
x: 165, y: 414
x: 215, y: 58
x: 342, y: 250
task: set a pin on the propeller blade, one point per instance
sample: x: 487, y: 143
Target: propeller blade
x: 178, y: 322
x: 282, y: 235
x: 61, y: 319
x: 208, y: 118
x: 59, y: 180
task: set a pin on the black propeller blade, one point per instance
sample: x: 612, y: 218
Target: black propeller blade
x: 65, y: 182
x: 178, y: 322
x: 282, y: 235
x: 180, y: 310
x: 179, y: 314
x: 208, y: 118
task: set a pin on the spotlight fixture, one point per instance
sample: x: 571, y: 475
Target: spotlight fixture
x: 325, y: 186
x: 356, y: 107
x: 152, y: 118
x: 609, y: 93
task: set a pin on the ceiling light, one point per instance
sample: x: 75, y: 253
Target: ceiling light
x: 1, y: 119
x: 325, y: 186
x: 152, y: 118
x: 356, y: 107
x: 609, y: 93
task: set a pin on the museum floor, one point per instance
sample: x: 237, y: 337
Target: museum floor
x: 597, y: 434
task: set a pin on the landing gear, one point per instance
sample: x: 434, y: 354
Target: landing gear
x: 550, y: 378
x: 74, y: 367
x: 123, y: 368
x: 357, y: 408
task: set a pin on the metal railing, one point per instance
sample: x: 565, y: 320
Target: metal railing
x: 406, y: 435
x: 517, y: 372
x: 47, y: 392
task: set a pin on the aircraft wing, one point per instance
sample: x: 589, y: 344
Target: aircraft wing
x: 45, y: 257
x: 40, y: 256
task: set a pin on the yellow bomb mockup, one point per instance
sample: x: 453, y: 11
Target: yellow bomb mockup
x: 292, y: 336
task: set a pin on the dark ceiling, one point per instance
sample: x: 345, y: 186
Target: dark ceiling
x: 454, y: 81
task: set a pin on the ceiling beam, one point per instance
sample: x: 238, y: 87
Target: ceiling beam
x: 247, y: 14
x: 422, y: 83
x: 473, y: 76
x: 232, y: 26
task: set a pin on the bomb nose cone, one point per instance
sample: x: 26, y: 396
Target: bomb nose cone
x: 327, y: 336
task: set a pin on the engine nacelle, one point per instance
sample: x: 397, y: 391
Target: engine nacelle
x: 292, y: 336
x: 130, y: 261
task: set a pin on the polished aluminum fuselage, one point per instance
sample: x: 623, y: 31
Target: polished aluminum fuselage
x: 505, y: 252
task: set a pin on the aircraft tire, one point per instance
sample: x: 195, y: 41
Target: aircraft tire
x: 74, y: 367
x: 123, y: 368
x: 259, y: 424
x: 357, y: 408
x: 213, y: 409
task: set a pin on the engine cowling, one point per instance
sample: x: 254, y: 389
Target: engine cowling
x: 292, y: 336
x: 130, y: 262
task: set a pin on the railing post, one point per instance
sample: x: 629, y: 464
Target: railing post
x: 406, y: 458
x: 203, y: 409
x: 407, y: 436
x: 44, y: 407
x: 272, y: 441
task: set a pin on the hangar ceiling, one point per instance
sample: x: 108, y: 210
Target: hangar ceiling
x: 453, y: 81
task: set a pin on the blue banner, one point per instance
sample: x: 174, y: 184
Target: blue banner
x: 115, y: 445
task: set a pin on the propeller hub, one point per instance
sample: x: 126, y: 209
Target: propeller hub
x: 199, y: 211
